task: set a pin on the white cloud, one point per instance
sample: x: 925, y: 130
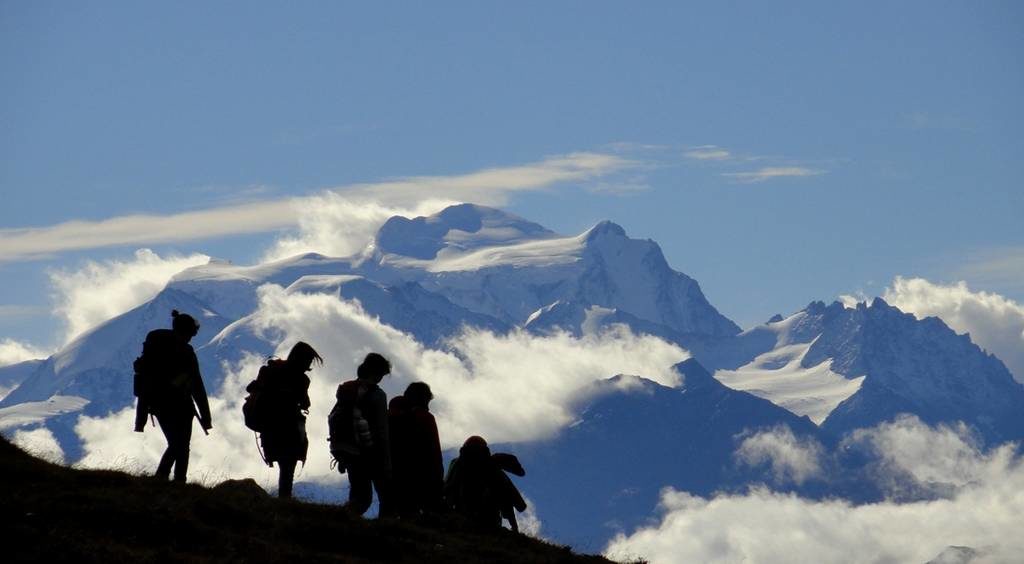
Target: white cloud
x: 994, y: 322
x: 791, y: 459
x: 915, y: 459
x: 40, y: 443
x: 488, y: 186
x: 336, y: 225
x: 23, y: 244
x: 100, y: 291
x: 13, y: 352
x: 771, y: 172
x: 509, y: 388
x: 982, y: 511
x: 708, y: 153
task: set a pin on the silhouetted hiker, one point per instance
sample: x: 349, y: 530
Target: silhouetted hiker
x: 415, y: 452
x: 170, y: 387
x: 359, y: 436
x: 477, y: 486
x: 280, y: 393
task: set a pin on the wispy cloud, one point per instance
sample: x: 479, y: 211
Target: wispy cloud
x: 708, y: 153
x: 772, y: 172
x: 13, y: 352
x: 487, y: 186
x: 98, y: 291
x: 999, y: 268
x: 21, y: 244
x: 625, y: 187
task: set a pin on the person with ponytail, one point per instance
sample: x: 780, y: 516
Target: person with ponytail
x: 170, y: 388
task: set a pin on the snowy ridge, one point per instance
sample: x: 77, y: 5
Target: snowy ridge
x: 779, y: 377
x: 38, y: 411
x: 852, y: 368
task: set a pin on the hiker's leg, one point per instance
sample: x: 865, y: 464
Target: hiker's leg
x: 184, y: 439
x: 383, y: 484
x: 360, y: 493
x: 163, y: 470
x: 286, y: 477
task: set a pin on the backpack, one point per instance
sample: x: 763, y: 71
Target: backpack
x: 348, y: 431
x: 257, y: 408
x: 154, y: 380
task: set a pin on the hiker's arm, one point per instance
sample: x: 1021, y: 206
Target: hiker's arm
x: 304, y: 398
x: 141, y: 413
x: 379, y: 426
x: 436, y: 461
x: 199, y: 395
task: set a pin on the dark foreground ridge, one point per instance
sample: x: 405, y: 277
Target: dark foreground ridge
x: 51, y: 513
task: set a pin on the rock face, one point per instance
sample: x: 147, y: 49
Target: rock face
x: 635, y: 437
x: 904, y: 365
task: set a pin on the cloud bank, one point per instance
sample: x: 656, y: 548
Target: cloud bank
x: 708, y: 153
x: 994, y: 322
x: 507, y: 388
x: 981, y: 511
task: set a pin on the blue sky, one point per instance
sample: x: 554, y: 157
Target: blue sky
x: 778, y: 153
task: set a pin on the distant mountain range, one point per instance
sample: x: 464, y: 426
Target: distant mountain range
x: 822, y: 372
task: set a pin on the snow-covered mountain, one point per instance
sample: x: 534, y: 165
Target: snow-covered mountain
x: 820, y: 372
x: 850, y: 368
x: 12, y: 375
x: 635, y: 437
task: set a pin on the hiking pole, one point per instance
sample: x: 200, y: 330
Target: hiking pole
x: 200, y: 418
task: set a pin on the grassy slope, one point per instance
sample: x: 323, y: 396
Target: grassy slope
x: 53, y: 513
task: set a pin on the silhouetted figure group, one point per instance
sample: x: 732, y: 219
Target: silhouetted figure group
x: 393, y: 449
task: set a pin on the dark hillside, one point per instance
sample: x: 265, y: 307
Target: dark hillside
x: 50, y: 513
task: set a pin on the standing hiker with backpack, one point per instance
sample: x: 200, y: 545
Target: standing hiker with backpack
x: 170, y: 387
x: 277, y: 406
x: 359, y: 436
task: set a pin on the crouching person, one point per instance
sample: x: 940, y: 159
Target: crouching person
x: 477, y: 486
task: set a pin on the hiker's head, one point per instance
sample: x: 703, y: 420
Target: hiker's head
x: 302, y: 356
x: 474, y: 449
x: 184, y: 325
x: 374, y: 367
x: 418, y: 394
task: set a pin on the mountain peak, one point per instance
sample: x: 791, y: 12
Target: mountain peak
x: 462, y: 227
x: 604, y: 229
